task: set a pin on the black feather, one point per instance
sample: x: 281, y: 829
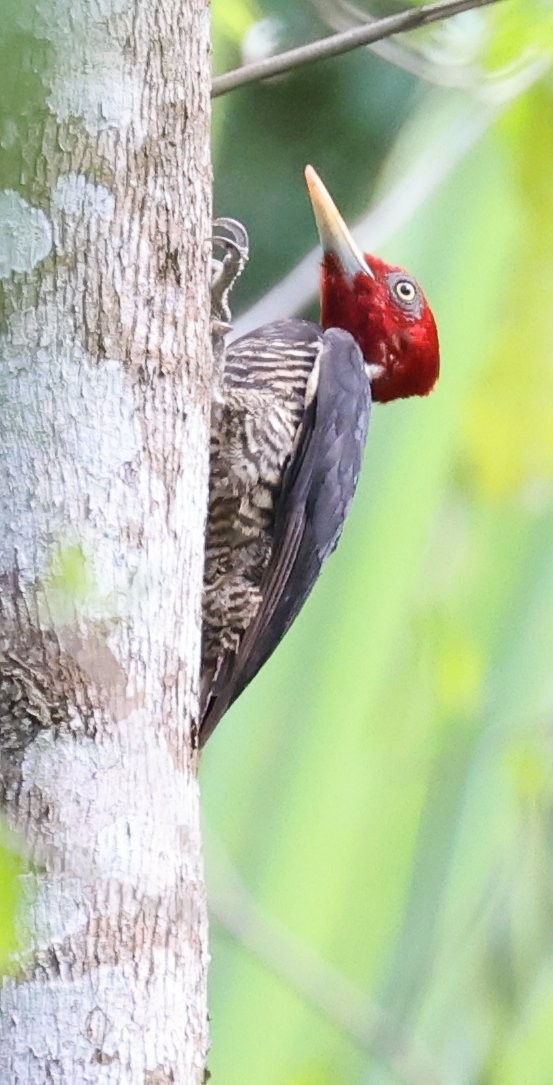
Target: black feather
x: 317, y: 490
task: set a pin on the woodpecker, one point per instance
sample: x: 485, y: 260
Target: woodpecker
x: 288, y: 434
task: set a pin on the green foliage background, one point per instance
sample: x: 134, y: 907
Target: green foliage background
x: 379, y: 804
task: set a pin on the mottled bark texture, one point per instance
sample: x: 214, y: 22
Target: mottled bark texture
x: 104, y: 416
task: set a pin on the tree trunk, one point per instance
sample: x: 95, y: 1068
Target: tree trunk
x: 105, y: 374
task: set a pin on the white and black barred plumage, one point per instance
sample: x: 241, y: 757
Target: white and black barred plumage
x: 287, y: 443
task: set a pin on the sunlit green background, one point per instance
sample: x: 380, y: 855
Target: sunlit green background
x: 379, y: 804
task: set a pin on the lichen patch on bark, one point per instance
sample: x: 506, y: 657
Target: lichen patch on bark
x: 26, y: 234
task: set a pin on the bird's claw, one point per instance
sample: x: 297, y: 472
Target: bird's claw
x: 238, y: 236
x: 226, y: 271
x: 220, y: 327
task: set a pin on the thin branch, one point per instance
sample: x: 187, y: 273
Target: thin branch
x: 492, y: 86
x: 335, y: 44
x: 339, y: 15
x: 313, y: 978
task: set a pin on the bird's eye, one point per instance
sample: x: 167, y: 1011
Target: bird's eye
x: 405, y: 290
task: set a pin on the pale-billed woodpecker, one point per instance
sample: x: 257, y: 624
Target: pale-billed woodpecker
x: 288, y: 434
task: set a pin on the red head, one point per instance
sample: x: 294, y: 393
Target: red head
x: 381, y: 306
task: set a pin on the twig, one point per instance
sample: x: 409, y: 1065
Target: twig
x: 493, y: 86
x: 340, y: 15
x: 336, y: 44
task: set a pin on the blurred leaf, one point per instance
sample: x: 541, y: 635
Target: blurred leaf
x: 519, y: 27
x: 508, y: 427
x: 70, y: 587
x: 70, y: 573
x: 234, y: 17
x: 529, y: 771
x: 528, y: 1049
x: 12, y: 867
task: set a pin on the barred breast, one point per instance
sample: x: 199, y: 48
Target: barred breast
x: 253, y: 433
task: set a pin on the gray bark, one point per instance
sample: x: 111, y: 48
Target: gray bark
x: 105, y: 374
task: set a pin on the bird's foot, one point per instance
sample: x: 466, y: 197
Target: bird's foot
x: 225, y: 272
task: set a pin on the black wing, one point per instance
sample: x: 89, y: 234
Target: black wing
x: 317, y: 490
